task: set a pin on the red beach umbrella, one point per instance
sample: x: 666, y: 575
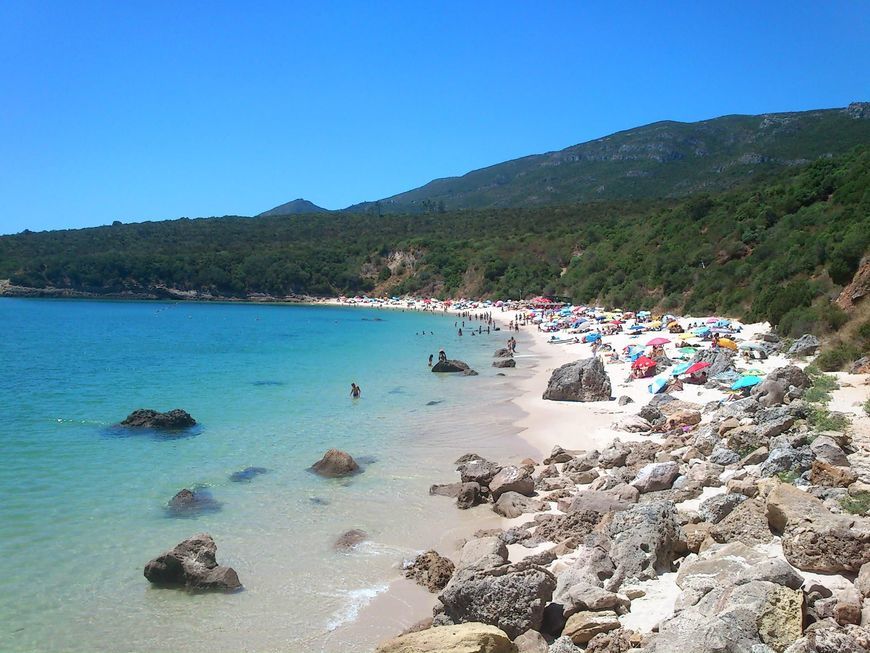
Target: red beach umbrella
x: 697, y: 367
x: 655, y: 342
x: 642, y: 363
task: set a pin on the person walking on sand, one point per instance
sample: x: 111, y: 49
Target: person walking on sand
x: 355, y: 391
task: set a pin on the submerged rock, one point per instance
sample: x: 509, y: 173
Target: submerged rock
x: 151, y: 419
x: 192, y: 564
x: 189, y: 503
x: 335, y: 463
x: 582, y: 380
x: 247, y: 474
x: 349, y: 539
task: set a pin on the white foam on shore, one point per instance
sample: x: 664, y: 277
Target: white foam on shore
x: 356, y: 600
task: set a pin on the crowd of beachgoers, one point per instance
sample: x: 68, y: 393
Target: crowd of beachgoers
x: 699, y: 485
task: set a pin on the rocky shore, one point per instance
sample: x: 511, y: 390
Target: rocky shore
x: 687, y: 523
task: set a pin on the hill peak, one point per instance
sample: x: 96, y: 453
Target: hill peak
x: 296, y: 207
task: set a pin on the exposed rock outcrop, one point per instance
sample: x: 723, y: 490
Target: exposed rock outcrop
x: 582, y: 380
x: 192, y: 564
x: 335, y: 463
x: 172, y: 420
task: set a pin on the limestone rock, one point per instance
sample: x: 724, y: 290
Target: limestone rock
x: 431, y: 570
x: 531, y: 641
x: 826, y: 449
x: 813, y: 538
x: 716, y: 508
x: 146, y: 418
x: 747, y: 523
x: 583, y: 626
x: 656, y: 476
x: 460, y: 638
x: 504, y: 363
x: 828, y: 475
x: 645, y: 540
x: 192, y: 564
x: 479, y: 471
x: 806, y: 345
x: 511, y: 479
x: 513, y: 504
x: 583, y: 380
x: 335, y: 463
x: 468, y: 495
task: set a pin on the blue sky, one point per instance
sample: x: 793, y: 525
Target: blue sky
x: 154, y: 110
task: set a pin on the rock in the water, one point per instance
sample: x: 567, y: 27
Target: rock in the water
x: 460, y: 638
x: 813, y: 538
x: 451, y: 366
x: 445, y: 490
x: 511, y: 479
x: 350, y: 539
x: 504, y: 362
x: 806, y: 345
x: 189, y: 503
x: 247, y: 474
x: 431, y: 570
x: 504, y: 352
x: 509, y: 597
x: 468, y: 495
x: 656, y: 476
x: 478, y: 471
x: 583, y: 380
x: 335, y: 463
x: 192, y: 565
x: 151, y: 419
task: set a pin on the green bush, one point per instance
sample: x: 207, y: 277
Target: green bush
x: 824, y: 420
x: 857, y: 504
x: 836, y: 357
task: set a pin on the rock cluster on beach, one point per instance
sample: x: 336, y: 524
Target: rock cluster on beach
x: 192, y: 565
x: 152, y: 419
x: 737, y: 506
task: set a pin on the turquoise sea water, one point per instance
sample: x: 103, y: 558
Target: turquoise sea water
x: 83, y: 504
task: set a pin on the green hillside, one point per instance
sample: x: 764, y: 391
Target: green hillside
x: 664, y: 159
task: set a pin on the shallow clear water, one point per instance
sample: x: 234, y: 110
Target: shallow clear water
x: 82, y: 505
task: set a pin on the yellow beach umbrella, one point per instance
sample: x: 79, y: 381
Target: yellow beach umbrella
x: 727, y: 344
x: 686, y: 336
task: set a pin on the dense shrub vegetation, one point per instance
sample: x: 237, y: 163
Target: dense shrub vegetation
x: 777, y: 250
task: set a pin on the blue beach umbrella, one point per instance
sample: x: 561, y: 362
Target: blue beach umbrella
x: 679, y: 369
x: 746, y: 382
x: 658, y: 384
x: 701, y: 331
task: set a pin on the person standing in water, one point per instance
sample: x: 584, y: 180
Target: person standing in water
x: 430, y: 360
x: 355, y: 391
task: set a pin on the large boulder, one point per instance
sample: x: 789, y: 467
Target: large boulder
x: 746, y: 523
x: 146, y: 418
x: 813, y: 538
x: 769, y: 393
x: 646, y: 539
x: 721, y: 360
x: 656, y: 476
x: 504, y: 362
x: 513, y: 504
x: 806, y: 345
x: 192, y: 564
x: 583, y: 626
x: 431, y: 570
x: 453, y: 366
x: 511, y: 479
x: 504, y: 352
x: 791, y: 376
x: 511, y: 597
x: 469, y: 495
x: 461, y: 638
x: 335, y: 463
x: 479, y: 471
x: 582, y: 380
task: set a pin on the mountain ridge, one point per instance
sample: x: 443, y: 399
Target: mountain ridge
x: 299, y: 206
x: 666, y: 158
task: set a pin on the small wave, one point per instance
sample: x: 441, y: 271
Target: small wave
x: 356, y: 600
x: 86, y: 422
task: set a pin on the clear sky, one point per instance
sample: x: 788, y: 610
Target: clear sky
x: 153, y: 110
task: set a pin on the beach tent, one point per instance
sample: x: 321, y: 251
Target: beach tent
x: 746, y: 382
x: 655, y: 342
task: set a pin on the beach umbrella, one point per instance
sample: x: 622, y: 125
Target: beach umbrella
x: 727, y: 344
x: 592, y: 337
x: 636, y: 327
x: 712, y: 320
x: 746, y: 382
x: 700, y: 331
x: 685, y: 336
x: 697, y: 367
x: 658, y: 384
x: 655, y: 324
x: 655, y: 342
x: 753, y: 372
x: 682, y: 368
x: 687, y: 350
x: 751, y: 346
x: 642, y: 363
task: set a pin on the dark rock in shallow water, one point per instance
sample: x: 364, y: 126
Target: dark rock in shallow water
x: 190, y: 503
x: 349, y: 539
x: 366, y: 460
x: 453, y: 366
x: 260, y: 383
x: 335, y: 463
x: 319, y: 501
x: 434, y: 402
x: 504, y: 362
x: 192, y: 564
x: 151, y: 419
x: 247, y: 474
